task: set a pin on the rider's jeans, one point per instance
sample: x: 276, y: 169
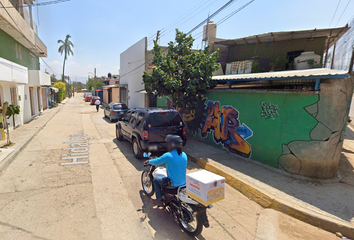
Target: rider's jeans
x: 158, y: 180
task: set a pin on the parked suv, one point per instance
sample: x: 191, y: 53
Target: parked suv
x: 147, y: 128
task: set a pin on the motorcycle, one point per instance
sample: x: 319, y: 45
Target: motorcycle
x: 190, y: 214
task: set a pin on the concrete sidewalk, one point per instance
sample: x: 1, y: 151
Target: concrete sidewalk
x: 327, y: 204
x: 23, y: 134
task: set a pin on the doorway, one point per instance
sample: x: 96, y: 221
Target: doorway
x: 31, y: 100
x: 39, y: 98
x: 44, y: 98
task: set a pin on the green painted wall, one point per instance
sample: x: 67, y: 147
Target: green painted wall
x: 8, y: 51
x: 293, y: 122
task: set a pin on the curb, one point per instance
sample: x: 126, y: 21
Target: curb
x: 267, y: 200
x: 9, y: 159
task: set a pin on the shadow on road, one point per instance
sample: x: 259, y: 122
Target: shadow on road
x: 165, y: 226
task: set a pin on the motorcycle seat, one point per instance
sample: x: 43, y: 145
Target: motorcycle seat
x: 170, y: 190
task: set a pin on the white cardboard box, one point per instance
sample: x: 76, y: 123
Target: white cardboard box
x: 205, y: 187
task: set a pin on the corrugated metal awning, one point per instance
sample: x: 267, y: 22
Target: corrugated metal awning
x: 317, y: 73
x: 332, y: 33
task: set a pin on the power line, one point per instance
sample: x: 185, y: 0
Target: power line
x: 189, y: 18
x: 220, y: 22
x: 212, y: 15
x: 334, y: 13
x: 40, y: 4
x: 182, y: 18
x: 343, y: 12
x: 233, y: 13
x: 34, y: 47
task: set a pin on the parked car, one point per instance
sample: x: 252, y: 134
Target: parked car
x: 147, y: 128
x: 93, y: 99
x: 88, y: 97
x: 115, y: 111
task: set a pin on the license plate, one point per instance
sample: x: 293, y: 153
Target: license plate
x: 153, y: 147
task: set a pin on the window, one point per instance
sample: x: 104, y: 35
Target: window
x: 119, y: 106
x: 164, y: 119
x: 140, y: 121
x: 13, y: 93
x: 127, y: 116
x: 33, y: 64
x: 132, y: 120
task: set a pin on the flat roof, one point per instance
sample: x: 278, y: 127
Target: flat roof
x: 333, y: 34
x: 317, y: 73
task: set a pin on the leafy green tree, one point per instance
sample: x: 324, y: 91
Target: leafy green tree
x: 91, y: 83
x: 62, y: 91
x: 182, y: 74
x: 65, y: 48
x: 11, y: 111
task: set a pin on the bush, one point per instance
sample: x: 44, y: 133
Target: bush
x: 62, y: 91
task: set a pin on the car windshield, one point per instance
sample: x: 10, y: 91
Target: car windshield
x: 119, y: 106
x: 163, y: 119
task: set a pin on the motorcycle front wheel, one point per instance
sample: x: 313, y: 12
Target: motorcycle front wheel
x: 147, y: 183
x: 189, y: 222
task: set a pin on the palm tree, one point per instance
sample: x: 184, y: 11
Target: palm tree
x: 65, y: 48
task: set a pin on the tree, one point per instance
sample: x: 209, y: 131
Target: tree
x: 53, y: 79
x: 12, y: 110
x: 62, y: 90
x: 182, y: 74
x: 91, y: 83
x: 65, y: 48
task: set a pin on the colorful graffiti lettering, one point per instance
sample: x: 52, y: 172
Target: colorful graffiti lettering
x: 269, y: 110
x: 226, y: 128
x: 186, y: 115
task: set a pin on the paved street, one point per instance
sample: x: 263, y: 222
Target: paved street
x: 102, y: 199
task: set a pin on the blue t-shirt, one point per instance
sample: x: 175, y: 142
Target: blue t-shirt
x: 176, y: 166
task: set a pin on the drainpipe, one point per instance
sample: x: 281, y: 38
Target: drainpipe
x: 31, y: 16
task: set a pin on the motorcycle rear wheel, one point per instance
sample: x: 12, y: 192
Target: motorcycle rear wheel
x: 191, y: 224
x: 147, y: 183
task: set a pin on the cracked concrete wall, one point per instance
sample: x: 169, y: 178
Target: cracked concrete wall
x: 319, y: 157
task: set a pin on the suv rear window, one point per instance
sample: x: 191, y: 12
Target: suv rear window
x: 119, y: 106
x: 163, y: 119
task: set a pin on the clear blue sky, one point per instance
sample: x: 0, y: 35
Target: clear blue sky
x: 101, y: 30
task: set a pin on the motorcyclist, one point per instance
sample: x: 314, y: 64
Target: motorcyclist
x: 176, y: 165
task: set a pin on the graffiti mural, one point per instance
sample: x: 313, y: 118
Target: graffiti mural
x: 223, y: 122
x: 226, y: 128
x: 269, y: 110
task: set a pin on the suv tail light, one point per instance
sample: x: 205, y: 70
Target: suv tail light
x: 113, y: 111
x: 184, y: 131
x: 145, y: 135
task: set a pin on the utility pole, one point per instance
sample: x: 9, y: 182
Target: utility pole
x: 157, y: 35
x: 351, y: 63
x: 95, y: 84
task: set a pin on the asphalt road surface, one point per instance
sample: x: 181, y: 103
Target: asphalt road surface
x: 44, y: 197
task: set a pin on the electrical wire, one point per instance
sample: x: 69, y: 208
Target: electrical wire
x: 200, y: 34
x: 40, y: 4
x: 343, y: 12
x: 335, y: 12
x: 164, y: 32
x: 34, y: 47
x: 194, y: 15
x: 221, y: 21
x: 212, y: 15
